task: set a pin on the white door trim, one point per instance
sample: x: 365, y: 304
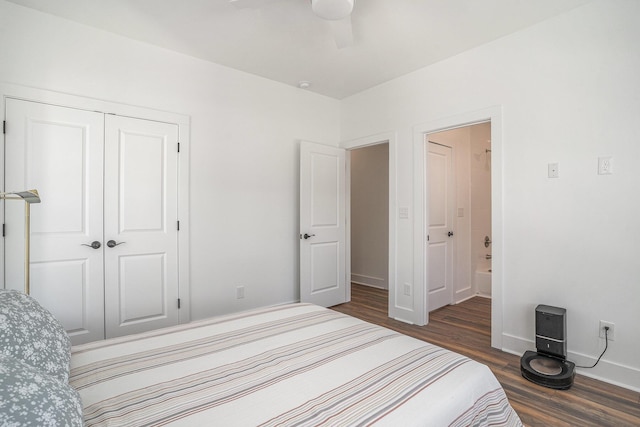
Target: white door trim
x: 394, y: 310
x: 493, y: 114
x: 84, y: 103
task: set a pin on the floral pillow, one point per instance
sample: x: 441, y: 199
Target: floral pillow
x: 29, y: 397
x: 31, y: 334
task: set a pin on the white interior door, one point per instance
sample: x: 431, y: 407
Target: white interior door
x: 322, y: 225
x: 141, y: 225
x: 58, y: 151
x: 440, y: 243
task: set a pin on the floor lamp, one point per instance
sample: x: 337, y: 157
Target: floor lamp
x: 29, y: 197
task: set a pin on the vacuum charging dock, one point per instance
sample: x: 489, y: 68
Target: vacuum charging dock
x: 548, y: 365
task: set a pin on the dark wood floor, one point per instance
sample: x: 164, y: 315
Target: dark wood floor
x: 466, y: 329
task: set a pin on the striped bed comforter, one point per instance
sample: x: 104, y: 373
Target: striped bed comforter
x: 290, y: 365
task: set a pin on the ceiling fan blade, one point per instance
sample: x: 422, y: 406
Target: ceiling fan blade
x: 332, y: 9
x: 342, y: 32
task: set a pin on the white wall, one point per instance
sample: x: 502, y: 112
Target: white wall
x: 370, y: 215
x: 244, y: 145
x: 568, y: 88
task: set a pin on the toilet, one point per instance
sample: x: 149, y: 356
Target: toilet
x: 548, y: 366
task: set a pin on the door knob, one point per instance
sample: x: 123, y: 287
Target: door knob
x: 95, y: 244
x: 306, y: 236
x: 113, y: 244
x: 450, y: 233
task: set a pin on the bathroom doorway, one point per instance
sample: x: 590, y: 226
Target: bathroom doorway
x: 459, y: 263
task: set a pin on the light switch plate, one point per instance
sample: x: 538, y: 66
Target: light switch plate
x: 553, y: 170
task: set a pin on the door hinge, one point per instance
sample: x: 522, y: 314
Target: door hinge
x: 178, y: 225
x: 427, y: 237
x: 3, y: 230
x: 178, y: 147
x: 4, y: 127
x: 178, y: 303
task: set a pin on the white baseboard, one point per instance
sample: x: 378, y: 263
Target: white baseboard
x: 473, y: 296
x: 376, y: 282
x: 608, y: 372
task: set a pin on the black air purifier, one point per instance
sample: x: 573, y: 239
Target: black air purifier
x: 548, y: 366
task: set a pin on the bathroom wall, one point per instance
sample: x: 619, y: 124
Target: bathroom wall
x: 480, y: 162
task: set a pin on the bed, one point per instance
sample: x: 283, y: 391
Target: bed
x: 295, y: 364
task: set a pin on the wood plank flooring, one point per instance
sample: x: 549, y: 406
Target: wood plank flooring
x: 466, y: 329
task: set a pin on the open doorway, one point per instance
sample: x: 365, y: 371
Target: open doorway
x: 458, y: 184
x: 420, y: 212
x: 369, y: 215
x: 388, y: 139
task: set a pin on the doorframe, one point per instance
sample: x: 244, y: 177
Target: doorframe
x: 420, y: 217
x: 376, y: 139
x: 109, y: 107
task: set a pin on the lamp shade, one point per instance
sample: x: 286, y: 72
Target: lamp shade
x: 29, y: 196
x: 332, y: 10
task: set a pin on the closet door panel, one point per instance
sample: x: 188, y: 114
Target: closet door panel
x: 64, y: 293
x: 59, y: 152
x: 141, y: 269
x: 141, y: 286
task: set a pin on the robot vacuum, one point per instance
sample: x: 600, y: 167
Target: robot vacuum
x: 548, y: 366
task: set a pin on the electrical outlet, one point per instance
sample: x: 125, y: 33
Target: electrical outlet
x: 611, y: 334
x: 605, y: 165
x: 239, y: 292
x: 407, y: 289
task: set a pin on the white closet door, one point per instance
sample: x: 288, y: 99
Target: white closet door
x: 140, y: 205
x: 59, y: 152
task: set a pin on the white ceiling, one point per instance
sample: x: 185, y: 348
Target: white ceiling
x: 284, y: 41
